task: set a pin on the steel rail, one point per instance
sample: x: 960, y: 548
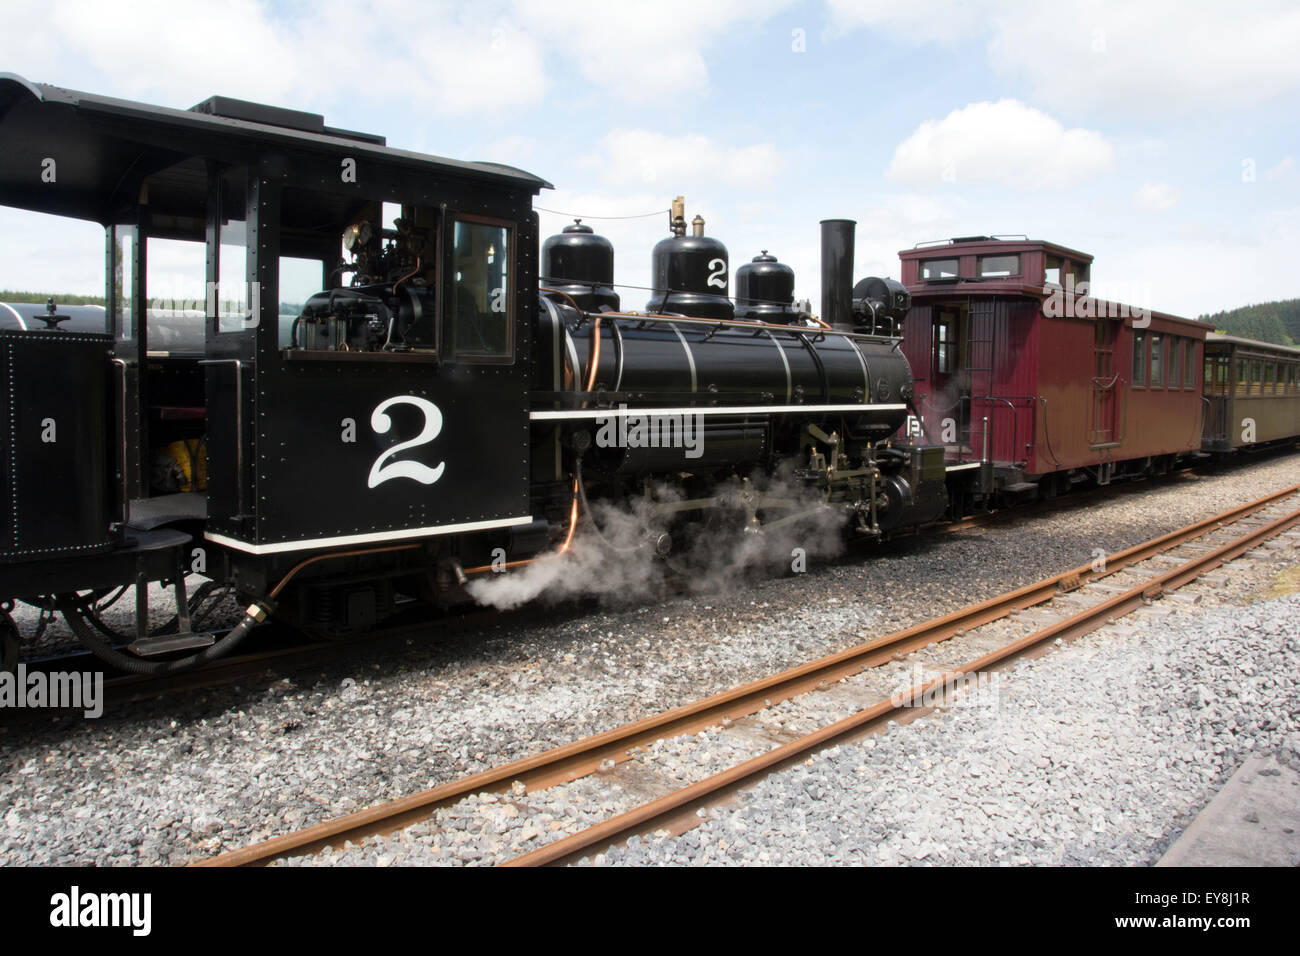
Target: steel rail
x: 650, y: 816
x: 583, y: 757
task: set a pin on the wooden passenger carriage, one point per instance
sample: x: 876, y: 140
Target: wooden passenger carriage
x: 1033, y: 384
x: 1252, y: 393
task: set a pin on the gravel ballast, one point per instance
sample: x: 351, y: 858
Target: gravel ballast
x: 181, y: 777
x: 1101, y: 753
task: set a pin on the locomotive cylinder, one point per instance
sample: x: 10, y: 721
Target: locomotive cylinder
x: 580, y: 265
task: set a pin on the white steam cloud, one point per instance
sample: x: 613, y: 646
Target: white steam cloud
x: 612, y: 557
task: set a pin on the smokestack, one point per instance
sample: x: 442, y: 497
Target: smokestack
x: 837, y: 273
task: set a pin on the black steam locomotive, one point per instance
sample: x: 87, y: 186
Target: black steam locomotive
x: 442, y: 405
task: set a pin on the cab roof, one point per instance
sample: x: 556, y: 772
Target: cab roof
x: 103, y: 147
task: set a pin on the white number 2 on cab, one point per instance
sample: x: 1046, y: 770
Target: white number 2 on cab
x: 381, y: 423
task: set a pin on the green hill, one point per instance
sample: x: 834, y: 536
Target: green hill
x: 1277, y: 322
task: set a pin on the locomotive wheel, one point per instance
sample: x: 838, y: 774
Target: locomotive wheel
x: 10, y: 648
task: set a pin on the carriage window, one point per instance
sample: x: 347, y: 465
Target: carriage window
x: 993, y: 267
x: 364, y: 281
x: 938, y: 269
x: 176, y: 289
x: 1052, y: 271
x: 1139, y: 358
x: 300, y: 279
x: 1216, y: 375
x: 231, y: 299
x: 482, y: 312
x: 1157, y: 360
x: 123, y: 274
x: 945, y: 343
x: 1175, y: 362
x: 1189, y: 363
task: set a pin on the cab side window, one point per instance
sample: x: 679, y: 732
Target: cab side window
x: 482, y: 300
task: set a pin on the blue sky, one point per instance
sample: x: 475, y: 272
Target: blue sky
x: 1162, y: 137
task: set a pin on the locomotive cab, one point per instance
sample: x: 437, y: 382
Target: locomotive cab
x: 305, y: 338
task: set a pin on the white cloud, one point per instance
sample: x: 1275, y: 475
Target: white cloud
x: 1004, y: 142
x: 640, y: 52
x: 452, y: 58
x: 1229, y: 272
x: 1156, y: 196
x: 638, y: 156
x: 56, y: 255
x: 1283, y: 171
x: 157, y: 45
x: 511, y: 150
x: 1155, y: 55
x: 919, y: 21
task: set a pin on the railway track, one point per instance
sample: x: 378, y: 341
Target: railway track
x: 288, y: 652
x: 947, y: 651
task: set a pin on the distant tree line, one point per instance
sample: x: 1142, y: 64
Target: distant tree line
x: 8, y: 295
x: 1276, y: 322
